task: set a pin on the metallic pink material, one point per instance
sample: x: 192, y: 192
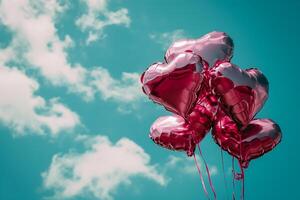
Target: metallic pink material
x: 202, y: 115
x: 212, y: 47
x: 203, y: 89
x: 242, y: 92
x: 176, y: 133
x: 249, y: 142
x: 175, y: 85
x: 173, y: 132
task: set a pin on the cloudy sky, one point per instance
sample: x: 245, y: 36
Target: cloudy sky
x: 73, y: 120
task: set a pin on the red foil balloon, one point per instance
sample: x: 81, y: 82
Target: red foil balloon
x: 242, y: 92
x: 249, y: 142
x: 202, y: 115
x: 173, y: 132
x: 175, y: 85
x: 212, y: 47
x: 200, y: 85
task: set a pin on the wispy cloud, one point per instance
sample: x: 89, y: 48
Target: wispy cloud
x: 27, y: 113
x: 98, y: 16
x: 36, y: 46
x: 167, y: 38
x: 187, y: 165
x: 100, y: 169
x: 125, y: 89
x: 42, y: 48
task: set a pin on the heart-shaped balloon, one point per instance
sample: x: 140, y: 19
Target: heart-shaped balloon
x: 249, y: 142
x: 176, y: 133
x: 212, y: 47
x: 173, y: 132
x: 241, y: 92
x: 174, y: 85
x: 203, y: 114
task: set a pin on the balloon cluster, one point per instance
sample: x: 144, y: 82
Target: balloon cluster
x: 198, y: 83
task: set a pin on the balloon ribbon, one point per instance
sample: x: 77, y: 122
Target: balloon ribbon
x: 201, y: 177
x: 239, y: 177
x: 208, y: 173
x: 243, y: 181
x: 233, y: 178
x: 223, y: 170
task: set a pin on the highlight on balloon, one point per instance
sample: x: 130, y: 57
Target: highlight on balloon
x: 205, y: 92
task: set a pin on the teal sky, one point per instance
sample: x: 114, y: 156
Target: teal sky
x: 83, y: 133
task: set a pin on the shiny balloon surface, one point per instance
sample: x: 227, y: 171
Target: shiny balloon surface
x: 174, y: 85
x: 203, y: 89
x: 212, y: 47
x: 257, y: 138
x: 242, y: 92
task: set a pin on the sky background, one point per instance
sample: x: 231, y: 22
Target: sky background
x: 74, y: 123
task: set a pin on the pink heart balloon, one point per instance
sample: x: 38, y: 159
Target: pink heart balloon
x: 241, y: 92
x: 173, y: 132
x: 257, y: 138
x: 174, y: 85
x: 203, y: 114
x: 176, y: 133
x: 212, y: 47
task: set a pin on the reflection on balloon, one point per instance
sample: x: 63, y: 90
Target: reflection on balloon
x: 251, y: 141
x: 242, y: 92
x: 174, y: 85
x: 212, y: 47
x: 204, y: 90
x: 172, y: 132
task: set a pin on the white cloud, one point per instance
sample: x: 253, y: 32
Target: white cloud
x: 36, y: 44
x: 92, y: 37
x: 35, y: 40
x: 187, y: 165
x: 98, y: 16
x: 213, y: 170
x: 167, y: 38
x: 100, y: 170
x: 127, y: 89
x: 25, y: 112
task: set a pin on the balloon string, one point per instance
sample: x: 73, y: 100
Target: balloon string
x: 201, y: 177
x: 241, y: 175
x: 243, y: 181
x: 222, y: 159
x: 233, y: 179
x: 224, y: 176
x: 208, y: 173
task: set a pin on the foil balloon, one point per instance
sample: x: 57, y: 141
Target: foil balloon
x: 242, y: 92
x: 175, y: 85
x: 202, y: 115
x: 173, y: 132
x: 204, y: 90
x: 212, y: 47
x: 252, y: 141
x: 176, y: 133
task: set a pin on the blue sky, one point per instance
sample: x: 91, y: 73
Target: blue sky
x: 74, y: 123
